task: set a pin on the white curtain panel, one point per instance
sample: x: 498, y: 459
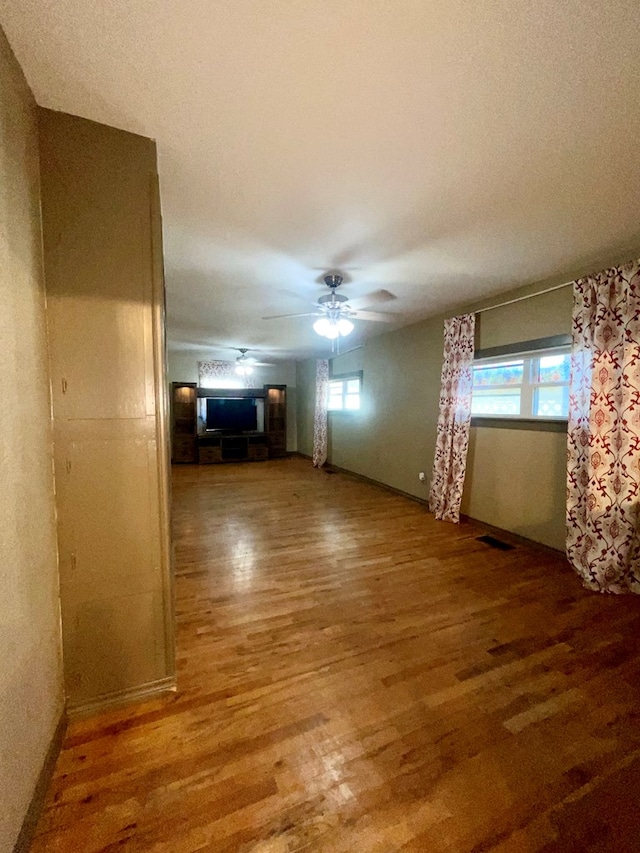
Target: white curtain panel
x: 320, y: 416
x: 603, y: 440
x: 454, y: 418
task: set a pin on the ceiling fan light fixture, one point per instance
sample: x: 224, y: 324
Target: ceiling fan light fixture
x: 244, y: 366
x: 321, y: 327
x: 333, y: 331
x: 333, y: 327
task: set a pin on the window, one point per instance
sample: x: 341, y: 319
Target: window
x: 344, y: 393
x: 522, y: 385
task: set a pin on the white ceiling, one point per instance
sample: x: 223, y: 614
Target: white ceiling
x: 439, y: 149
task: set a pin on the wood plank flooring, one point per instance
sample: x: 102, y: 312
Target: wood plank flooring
x: 355, y: 677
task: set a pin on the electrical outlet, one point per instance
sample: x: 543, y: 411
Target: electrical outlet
x: 421, y: 477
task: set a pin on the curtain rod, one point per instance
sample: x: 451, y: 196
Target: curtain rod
x: 522, y: 298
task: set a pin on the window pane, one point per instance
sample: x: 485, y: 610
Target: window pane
x: 353, y: 386
x: 335, y: 387
x: 554, y: 368
x: 551, y: 402
x: 352, y: 401
x: 490, y: 402
x: 335, y: 402
x: 526, y: 384
x: 505, y: 373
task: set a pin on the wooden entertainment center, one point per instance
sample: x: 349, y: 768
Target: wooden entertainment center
x: 192, y: 443
x: 232, y: 448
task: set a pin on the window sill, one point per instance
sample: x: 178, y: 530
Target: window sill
x: 531, y: 424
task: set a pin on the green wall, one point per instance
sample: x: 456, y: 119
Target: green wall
x: 305, y: 404
x: 393, y: 435
x: 515, y: 477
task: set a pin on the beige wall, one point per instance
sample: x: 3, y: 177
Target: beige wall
x: 103, y: 264
x: 516, y: 481
x: 30, y: 659
x: 538, y: 317
x: 183, y: 367
x: 515, y: 478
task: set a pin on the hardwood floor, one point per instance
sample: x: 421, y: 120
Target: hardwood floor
x: 355, y: 677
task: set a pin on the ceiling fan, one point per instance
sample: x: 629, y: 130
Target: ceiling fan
x: 335, y: 313
x: 245, y: 363
x: 249, y: 359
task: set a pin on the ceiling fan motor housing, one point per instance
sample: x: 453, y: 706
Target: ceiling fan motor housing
x: 332, y: 298
x: 333, y: 280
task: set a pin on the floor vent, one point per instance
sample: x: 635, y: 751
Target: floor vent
x: 495, y: 543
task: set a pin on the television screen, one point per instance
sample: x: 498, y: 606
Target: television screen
x: 232, y: 413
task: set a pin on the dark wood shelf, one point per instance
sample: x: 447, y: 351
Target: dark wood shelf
x: 184, y: 397
x: 276, y: 419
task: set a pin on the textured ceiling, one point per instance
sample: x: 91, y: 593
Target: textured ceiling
x: 442, y: 151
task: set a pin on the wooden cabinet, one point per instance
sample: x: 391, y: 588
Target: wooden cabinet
x: 190, y: 445
x: 208, y: 454
x: 275, y: 419
x: 184, y: 398
x: 105, y: 302
x: 232, y: 448
x: 257, y: 451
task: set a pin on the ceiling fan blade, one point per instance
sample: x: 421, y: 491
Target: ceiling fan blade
x: 282, y: 316
x: 375, y: 316
x: 262, y: 364
x: 377, y: 297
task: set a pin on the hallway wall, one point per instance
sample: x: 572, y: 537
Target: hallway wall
x: 30, y: 648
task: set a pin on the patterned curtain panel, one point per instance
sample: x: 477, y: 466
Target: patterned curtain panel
x: 454, y: 419
x: 603, y: 475
x: 320, y: 417
x: 223, y: 373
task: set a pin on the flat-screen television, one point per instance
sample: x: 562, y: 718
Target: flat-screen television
x: 237, y: 414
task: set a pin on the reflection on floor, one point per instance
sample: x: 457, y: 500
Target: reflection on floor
x: 356, y: 677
